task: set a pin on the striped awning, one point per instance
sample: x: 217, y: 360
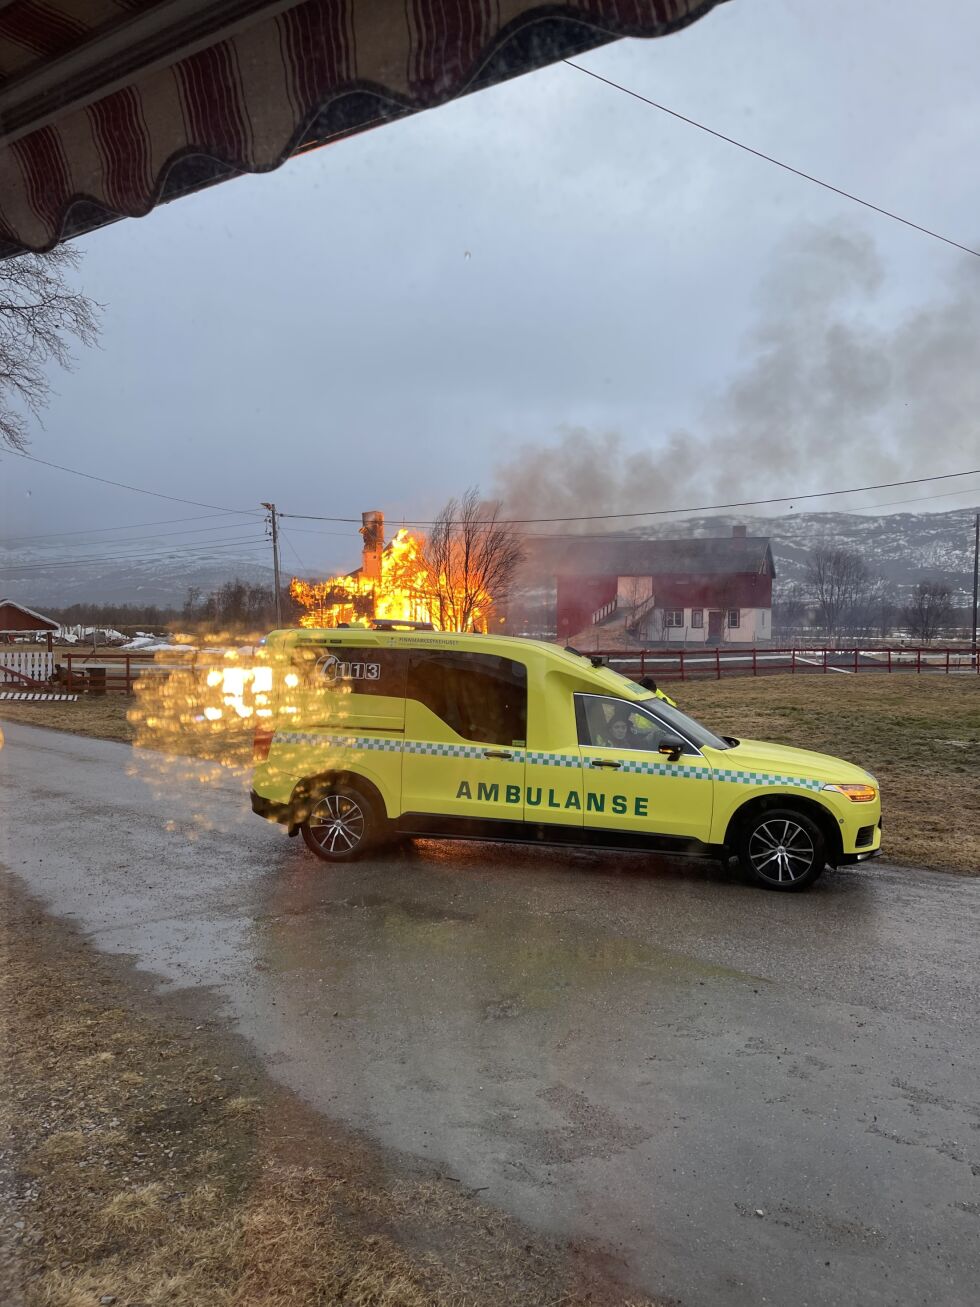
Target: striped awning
x: 110, y: 107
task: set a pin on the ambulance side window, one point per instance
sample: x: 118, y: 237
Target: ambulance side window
x: 480, y: 696
x: 614, y: 724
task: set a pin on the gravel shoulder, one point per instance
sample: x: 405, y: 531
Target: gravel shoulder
x: 149, y: 1160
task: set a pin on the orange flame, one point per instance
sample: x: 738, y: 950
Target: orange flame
x: 408, y: 591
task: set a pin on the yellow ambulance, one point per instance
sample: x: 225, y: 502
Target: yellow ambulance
x: 374, y: 734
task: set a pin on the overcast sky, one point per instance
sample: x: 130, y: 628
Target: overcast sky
x: 379, y: 324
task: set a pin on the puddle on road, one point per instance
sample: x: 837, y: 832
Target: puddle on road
x: 416, y: 911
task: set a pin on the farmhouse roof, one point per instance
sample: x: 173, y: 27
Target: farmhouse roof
x: 635, y: 556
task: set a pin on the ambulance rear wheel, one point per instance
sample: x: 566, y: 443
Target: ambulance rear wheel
x: 342, y: 824
x: 782, y: 849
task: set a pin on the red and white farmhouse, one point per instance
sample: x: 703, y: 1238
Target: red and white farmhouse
x: 632, y: 592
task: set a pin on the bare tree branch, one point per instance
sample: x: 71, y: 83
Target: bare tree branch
x: 470, y: 559
x: 929, y: 611
x: 840, y: 583
x: 40, y: 314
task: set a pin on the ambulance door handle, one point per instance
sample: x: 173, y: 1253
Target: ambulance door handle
x: 496, y: 753
x: 604, y: 762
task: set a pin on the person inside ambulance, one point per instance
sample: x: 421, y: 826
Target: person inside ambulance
x: 617, y: 732
x: 629, y: 730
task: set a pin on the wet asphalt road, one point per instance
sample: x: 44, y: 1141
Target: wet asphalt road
x: 641, y: 1053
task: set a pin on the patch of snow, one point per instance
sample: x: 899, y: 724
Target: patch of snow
x: 78, y: 632
x: 150, y: 644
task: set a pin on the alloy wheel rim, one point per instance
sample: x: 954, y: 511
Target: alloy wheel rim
x: 337, y: 823
x: 781, y: 851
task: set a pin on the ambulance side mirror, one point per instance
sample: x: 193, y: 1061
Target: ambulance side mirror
x: 671, y: 747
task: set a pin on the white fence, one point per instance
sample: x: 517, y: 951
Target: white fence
x: 35, y: 663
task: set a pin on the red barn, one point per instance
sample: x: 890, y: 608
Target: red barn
x: 16, y: 620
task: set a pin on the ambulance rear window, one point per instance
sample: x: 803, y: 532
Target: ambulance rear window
x: 371, y: 670
x: 481, y: 697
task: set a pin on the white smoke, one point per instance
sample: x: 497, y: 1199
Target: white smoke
x: 830, y: 394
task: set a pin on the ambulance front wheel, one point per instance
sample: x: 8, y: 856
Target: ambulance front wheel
x: 342, y: 824
x: 782, y: 849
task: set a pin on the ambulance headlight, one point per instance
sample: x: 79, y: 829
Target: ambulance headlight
x: 856, y: 793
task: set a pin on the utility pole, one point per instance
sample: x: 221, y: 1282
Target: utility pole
x: 976, y: 577
x: 274, y: 519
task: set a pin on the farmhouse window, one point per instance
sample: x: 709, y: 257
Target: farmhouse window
x: 734, y: 618
x: 673, y: 617
x: 697, y: 618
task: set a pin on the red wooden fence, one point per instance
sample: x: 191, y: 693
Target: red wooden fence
x: 109, y: 672
x: 694, y: 664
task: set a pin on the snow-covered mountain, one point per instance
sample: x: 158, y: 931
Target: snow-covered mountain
x: 54, y: 576
x: 904, y: 548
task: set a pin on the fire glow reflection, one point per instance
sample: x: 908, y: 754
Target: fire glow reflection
x: 206, y: 703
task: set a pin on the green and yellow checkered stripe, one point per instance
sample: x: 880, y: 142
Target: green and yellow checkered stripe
x: 553, y: 759
x: 666, y: 769
x: 435, y: 749
x: 374, y: 743
x: 379, y: 744
x: 438, y: 749
x: 765, y: 778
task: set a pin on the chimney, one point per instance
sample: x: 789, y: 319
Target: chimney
x: 738, y: 532
x: 373, y: 531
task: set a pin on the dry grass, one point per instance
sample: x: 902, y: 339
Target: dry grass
x: 149, y: 1163
x: 102, y: 717
x: 126, y: 718
x: 920, y: 735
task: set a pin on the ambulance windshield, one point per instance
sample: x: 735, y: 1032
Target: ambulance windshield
x: 686, y: 726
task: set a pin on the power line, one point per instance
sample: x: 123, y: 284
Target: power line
x: 12, y: 571
x: 119, y: 548
x: 158, y: 557
x: 191, y: 547
x: 295, y: 551
x: 787, y: 167
x: 919, y: 499
x: 515, y: 521
x: 312, y: 531
x: 131, y: 526
x: 161, y: 535
x: 670, y: 512
x: 624, y: 535
x: 139, y: 490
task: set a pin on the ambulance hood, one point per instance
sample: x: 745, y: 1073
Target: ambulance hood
x: 760, y: 755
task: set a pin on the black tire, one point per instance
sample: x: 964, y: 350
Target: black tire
x: 782, y: 849
x: 342, y: 824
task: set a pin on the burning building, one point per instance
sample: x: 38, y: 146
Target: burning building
x: 396, y: 582
x: 391, y: 583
